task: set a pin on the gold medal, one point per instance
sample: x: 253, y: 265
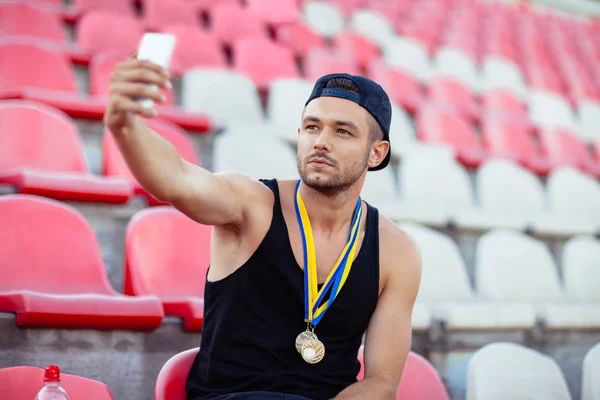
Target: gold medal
x: 312, y: 350
x: 303, y: 337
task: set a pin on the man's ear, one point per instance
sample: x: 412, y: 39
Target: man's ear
x: 379, y: 151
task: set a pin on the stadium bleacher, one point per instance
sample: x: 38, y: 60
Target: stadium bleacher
x: 495, y: 172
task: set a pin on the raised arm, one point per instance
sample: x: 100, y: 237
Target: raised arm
x: 211, y: 199
x: 389, y: 334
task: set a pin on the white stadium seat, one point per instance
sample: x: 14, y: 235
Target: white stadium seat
x: 590, y: 384
x: 402, y: 132
x: 380, y: 188
x: 326, y: 19
x: 446, y: 289
x: 223, y: 95
x: 458, y: 65
x: 498, y: 73
x: 408, y: 55
x: 589, y: 120
x: 580, y: 263
x: 550, y: 110
x: 285, y: 104
x: 372, y: 25
x: 501, y: 371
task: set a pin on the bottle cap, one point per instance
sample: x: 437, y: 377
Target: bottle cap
x: 52, y: 374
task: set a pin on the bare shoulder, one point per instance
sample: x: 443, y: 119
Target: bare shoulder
x: 249, y: 190
x: 399, y: 256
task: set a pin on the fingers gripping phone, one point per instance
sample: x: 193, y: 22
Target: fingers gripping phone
x: 158, y: 49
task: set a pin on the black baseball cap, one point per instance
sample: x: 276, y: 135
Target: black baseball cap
x: 372, y: 98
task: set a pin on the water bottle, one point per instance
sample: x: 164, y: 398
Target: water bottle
x: 52, y: 389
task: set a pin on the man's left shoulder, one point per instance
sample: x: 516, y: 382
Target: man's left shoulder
x: 398, y: 252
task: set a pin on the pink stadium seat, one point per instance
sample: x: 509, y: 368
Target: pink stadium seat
x: 230, y: 22
x: 263, y: 61
x: 122, y: 7
x: 41, y: 153
x: 167, y: 255
x: 54, y: 276
x: 441, y: 125
x: 159, y: 13
x: 363, y: 50
x: 170, y: 383
x: 299, y: 38
x: 507, y: 138
x: 319, y: 62
x: 24, y: 382
x: 274, y: 12
x: 183, y: 59
x: 114, y: 164
x: 18, y: 19
x: 99, y: 72
x: 92, y: 35
x: 500, y: 102
x: 564, y: 148
x: 451, y: 93
x: 400, y: 86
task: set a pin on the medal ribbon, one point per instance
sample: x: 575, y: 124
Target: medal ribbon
x: 313, y: 309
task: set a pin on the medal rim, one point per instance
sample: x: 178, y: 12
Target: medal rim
x: 319, y: 348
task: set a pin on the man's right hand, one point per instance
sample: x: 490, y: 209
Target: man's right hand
x: 133, y: 79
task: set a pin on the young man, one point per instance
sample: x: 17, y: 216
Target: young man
x: 299, y: 269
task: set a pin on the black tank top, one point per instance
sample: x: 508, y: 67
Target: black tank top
x: 252, y: 318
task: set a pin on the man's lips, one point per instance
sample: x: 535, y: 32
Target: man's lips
x: 320, y: 162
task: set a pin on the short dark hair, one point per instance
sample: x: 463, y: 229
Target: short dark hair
x: 375, y: 131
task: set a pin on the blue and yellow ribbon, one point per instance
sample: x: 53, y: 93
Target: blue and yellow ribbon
x: 315, y: 304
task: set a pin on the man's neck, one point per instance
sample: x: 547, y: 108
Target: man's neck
x: 329, y: 213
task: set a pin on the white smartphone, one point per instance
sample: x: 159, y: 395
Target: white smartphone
x: 157, y: 48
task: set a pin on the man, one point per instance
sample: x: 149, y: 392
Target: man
x: 299, y: 269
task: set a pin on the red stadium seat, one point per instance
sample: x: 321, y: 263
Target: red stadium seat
x: 41, y: 153
x: 54, y: 275
x: 100, y: 69
x: 363, y: 50
x: 299, y: 38
x: 92, y: 35
x: 450, y: 92
x: 274, y: 12
x: 163, y: 249
x: 319, y: 62
x: 263, y: 61
x: 508, y: 138
x: 122, y: 7
x: 564, y: 148
x: 400, y: 86
x: 115, y: 165
x: 231, y: 22
x: 159, y: 13
x: 183, y: 59
x: 18, y: 19
x: 24, y: 382
x: 170, y: 383
x: 438, y: 125
x: 500, y: 102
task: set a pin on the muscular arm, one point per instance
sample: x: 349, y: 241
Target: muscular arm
x: 389, y: 333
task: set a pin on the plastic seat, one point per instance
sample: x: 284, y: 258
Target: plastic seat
x: 163, y: 249
x: 456, y: 64
x: 402, y: 132
x: 579, y: 258
x: 237, y: 153
x: 511, y: 371
x: 263, y: 61
x: 91, y: 32
x: 160, y: 13
x: 299, y: 38
x: 446, y: 289
x: 231, y: 22
x: 550, y: 110
x: 506, y: 137
x: 275, y: 13
x: 285, y: 104
x: 373, y: 25
x: 589, y: 117
x: 401, y: 87
x: 326, y: 19
x: 564, y: 148
x: 438, y: 125
x: 380, y: 189
x: 504, y: 103
x: 24, y: 382
x: 100, y: 69
x: 122, y: 7
x: 183, y: 60
x: 41, y: 153
x: 321, y: 61
x: 55, y: 276
x: 453, y: 94
x: 360, y: 47
x: 498, y: 73
x: 170, y: 383
x: 420, y: 379
x: 208, y: 91
x: 590, y: 385
x: 18, y: 19
x: 410, y: 56
x: 113, y: 163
